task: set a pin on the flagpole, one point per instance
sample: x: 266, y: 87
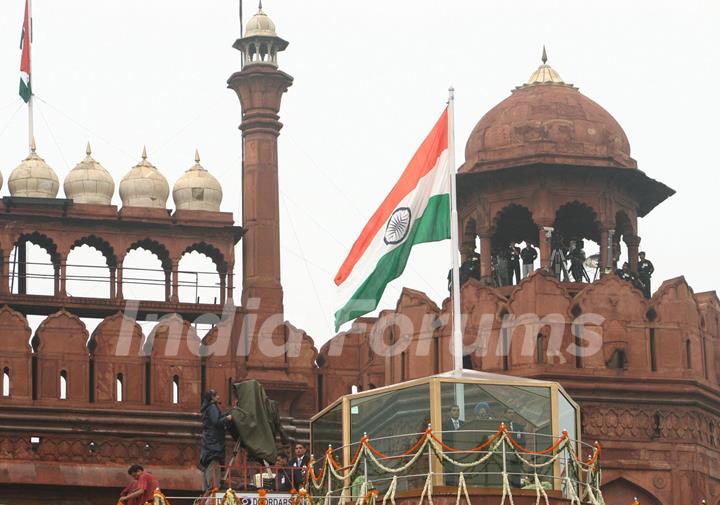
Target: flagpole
x: 457, y: 341
x: 31, y: 132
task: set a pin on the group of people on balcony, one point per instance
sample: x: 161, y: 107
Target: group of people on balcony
x: 641, y: 279
x: 567, y: 263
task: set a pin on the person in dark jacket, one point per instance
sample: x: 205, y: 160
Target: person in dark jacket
x: 212, y: 454
x: 514, y: 264
x: 645, y: 271
x: 288, y: 478
x: 528, y: 255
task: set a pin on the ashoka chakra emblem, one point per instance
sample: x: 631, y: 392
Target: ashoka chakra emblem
x: 398, y: 226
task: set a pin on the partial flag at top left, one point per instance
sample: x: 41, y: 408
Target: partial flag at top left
x: 25, y: 86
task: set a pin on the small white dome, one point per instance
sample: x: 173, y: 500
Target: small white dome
x: 144, y: 186
x: 197, y: 189
x: 33, y: 178
x: 89, y: 182
x: 260, y: 25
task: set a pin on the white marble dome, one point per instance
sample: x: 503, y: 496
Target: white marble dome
x: 89, y: 182
x: 260, y: 25
x: 144, y: 186
x: 197, y: 189
x: 33, y: 178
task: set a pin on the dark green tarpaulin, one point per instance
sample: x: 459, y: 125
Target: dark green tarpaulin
x: 256, y: 421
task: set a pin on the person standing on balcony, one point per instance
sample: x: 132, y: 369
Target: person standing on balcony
x: 528, y: 255
x: 645, y: 271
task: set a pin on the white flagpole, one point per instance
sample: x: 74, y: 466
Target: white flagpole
x: 31, y: 132
x: 457, y: 341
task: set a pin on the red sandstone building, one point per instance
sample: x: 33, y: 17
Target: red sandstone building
x: 78, y: 406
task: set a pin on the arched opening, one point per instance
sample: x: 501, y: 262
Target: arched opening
x: 622, y: 491
x: 540, y: 349
x: 618, y: 360
x: 34, y: 266
x: 176, y: 389
x: 146, y: 271
x: 90, y: 269
x: 202, y: 275
x: 513, y: 230
x: 63, y: 385
x: 575, y: 243
x: 6, y: 382
x: 688, y: 354
x: 119, y: 387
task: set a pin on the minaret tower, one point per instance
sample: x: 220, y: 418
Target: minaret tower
x: 260, y: 86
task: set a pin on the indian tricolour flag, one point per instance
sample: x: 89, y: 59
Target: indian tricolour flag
x: 25, y: 86
x: 416, y: 211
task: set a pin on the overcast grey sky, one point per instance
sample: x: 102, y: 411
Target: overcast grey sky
x: 371, y: 77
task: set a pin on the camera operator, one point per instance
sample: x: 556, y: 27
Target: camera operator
x: 577, y: 258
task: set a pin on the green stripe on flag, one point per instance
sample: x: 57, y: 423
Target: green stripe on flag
x: 432, y: 226
x: 25, y: 90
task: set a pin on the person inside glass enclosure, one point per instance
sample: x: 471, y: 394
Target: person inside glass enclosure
x: 482, y: 411
x: 453, y: 422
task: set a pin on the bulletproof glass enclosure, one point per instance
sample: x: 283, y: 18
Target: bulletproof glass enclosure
x: 464, y: 410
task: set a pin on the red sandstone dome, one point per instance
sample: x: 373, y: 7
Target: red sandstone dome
x: 546, y: 121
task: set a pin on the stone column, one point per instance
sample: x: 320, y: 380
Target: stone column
x: 544, y: 239
x: 223, y: 276
x: 112, y: 282
x: 467, y: 245
x: 633, y: 245
x: 174, y: 296
x: 5, y: 284
x: 604, y: 245
x: 230, y: 282
x: 119, y: 281
x: 61, y: 276
x: 485, y: 256
x: 22, y: 267
x: 260, y: 88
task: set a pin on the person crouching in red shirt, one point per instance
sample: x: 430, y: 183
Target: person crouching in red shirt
x: 141, y: 489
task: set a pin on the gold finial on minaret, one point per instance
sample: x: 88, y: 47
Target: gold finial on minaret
x: 544, y: 55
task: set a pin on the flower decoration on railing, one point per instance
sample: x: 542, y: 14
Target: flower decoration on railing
x: 230, y: 498
x: 580, y: 480
x: 159, y: 498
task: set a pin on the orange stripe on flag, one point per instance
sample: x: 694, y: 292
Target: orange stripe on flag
x: 421, y: 163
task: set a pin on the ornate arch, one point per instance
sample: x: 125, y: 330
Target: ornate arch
x: 41, y: 240
x: 576, y: 219
x: 155, y: 247
x: 100, y: 244
x: 513, y: 223
x: 211, y: 252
